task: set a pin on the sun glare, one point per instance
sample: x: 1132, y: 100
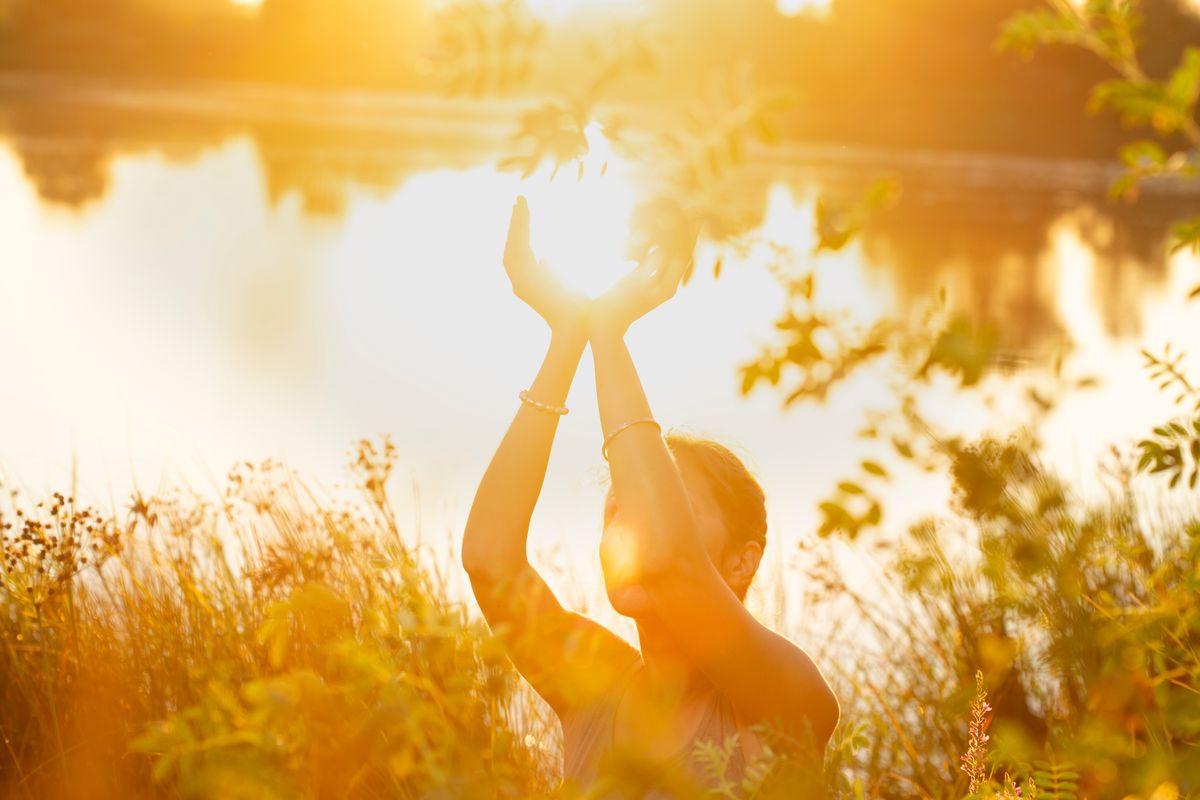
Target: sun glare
x: 618, y: 552
x: 581, y: 225
x: 793, y: 8
x: 554, y: 9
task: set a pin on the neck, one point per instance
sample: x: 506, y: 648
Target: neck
x: 666, y: 663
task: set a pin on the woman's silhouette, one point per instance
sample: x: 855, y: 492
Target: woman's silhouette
x: 684, y: 529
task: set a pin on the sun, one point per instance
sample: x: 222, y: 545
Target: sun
x: 792, y: 8
x: 581, y: 224
x: 557, y: 9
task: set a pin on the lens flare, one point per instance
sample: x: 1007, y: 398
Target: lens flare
x: 618, y: 554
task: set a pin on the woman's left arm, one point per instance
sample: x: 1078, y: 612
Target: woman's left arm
x: 766, y: 677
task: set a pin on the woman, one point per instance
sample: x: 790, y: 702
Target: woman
x: 684, y: 529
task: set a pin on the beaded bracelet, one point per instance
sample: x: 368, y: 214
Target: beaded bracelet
x: 560, y: 411
x: 622, y: 428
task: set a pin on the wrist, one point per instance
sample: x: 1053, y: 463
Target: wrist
x: 601, y: 330
x: 573, y: 334
x: 606, y: 340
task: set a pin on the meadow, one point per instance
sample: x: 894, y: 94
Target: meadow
x: 1035, y: 636
x: 271, y: 642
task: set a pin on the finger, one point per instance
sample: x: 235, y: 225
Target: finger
x: 672, y: 272
x: 516, y: 248
x: 647, y: 269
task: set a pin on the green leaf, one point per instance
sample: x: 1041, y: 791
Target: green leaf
x: 1185, y: 235
x: 1183, y: 87
x: 874, y: 468
x: 750, y: 376
x: 1028, y: 30
x: 962, y: 349
x: 1125, y: 187
x: 1142, y: 154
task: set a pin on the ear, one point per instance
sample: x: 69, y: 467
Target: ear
x: 740, y: 565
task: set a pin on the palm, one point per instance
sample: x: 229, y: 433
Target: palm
x: 532, y: 282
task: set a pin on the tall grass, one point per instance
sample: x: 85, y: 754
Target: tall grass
x: 274, y: 643
x: 1081, y: 621
x: 263, y: 645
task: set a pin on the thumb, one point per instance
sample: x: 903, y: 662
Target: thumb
x: 517, y: 244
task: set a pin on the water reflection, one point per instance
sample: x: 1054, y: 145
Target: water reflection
x: 240, y: 274
x: 980, y: 225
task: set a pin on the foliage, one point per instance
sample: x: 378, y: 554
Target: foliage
x: 1062, y: 634
x: 271, y: 643
x: 1173, y: 449
x: 484, y: 47
x: 1110, y: 30
x: 263, y: 645
x: 274, y: 645
x: 823, y: 348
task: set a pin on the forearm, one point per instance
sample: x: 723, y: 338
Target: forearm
x: 646, y: 480
x: 499, y: 519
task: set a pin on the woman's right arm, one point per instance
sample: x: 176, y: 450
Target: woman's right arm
x: 566, y: 657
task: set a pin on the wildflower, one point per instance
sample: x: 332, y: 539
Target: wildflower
x: 973, y: 759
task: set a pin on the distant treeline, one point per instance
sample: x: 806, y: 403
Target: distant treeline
x: 919, y: 73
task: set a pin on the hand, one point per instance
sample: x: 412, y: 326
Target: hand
x: 562, y: 309
x: 651, y: 284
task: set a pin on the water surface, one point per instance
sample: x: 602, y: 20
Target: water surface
x: 193, y: 276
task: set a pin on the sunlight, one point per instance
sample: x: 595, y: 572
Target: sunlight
x: 844, y: 278
x: 247, y: 5
x: 581, y: 226
x: 792, y: 8
x: 619, y: 554
x: 557, y: 9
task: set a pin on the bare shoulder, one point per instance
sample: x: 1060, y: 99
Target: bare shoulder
x: 794, y: 695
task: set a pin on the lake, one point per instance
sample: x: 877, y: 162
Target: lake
x: 196, y: 275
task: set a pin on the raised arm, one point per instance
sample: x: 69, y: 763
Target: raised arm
x: 566, y: 657
x: 766, y: 677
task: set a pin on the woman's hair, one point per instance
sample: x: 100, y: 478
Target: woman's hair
x: 735, y: 489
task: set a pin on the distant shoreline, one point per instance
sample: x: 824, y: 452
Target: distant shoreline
x: 398, y: 124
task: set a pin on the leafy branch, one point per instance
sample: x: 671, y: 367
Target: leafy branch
x: 1110, y: 29
x: 1174, y: 447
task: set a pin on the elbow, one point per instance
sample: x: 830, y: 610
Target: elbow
x: 485, y: 564
x: 471, y: 564
x: 474, y: 558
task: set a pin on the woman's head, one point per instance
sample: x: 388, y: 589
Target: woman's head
x: 730, y: 511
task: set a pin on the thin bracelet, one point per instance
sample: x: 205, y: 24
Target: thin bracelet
x: 622, y: 428
x: 560, y: 411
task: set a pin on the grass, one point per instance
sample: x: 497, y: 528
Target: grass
x: 273, y: 643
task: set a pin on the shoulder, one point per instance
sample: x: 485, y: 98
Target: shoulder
x: 783, y: 689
